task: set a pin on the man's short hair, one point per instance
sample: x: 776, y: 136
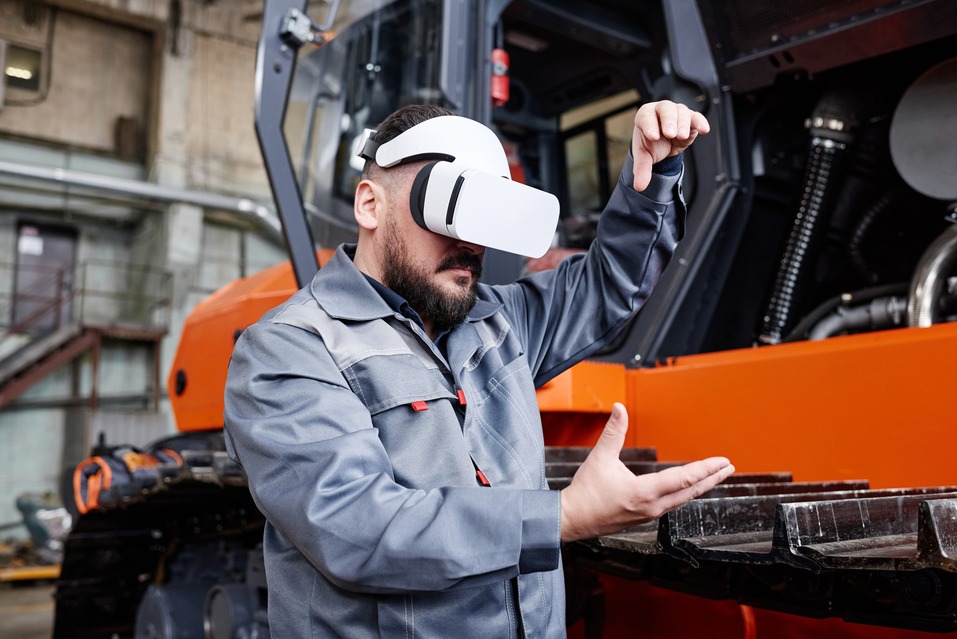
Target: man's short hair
x: 399, y: 122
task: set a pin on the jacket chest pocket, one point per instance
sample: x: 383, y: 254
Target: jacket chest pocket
x: 415, y: 414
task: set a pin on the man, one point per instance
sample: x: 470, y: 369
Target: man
x: 386, y: 414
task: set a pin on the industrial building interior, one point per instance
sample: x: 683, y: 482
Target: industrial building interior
x: 169, y: 169
x: 129, y: 185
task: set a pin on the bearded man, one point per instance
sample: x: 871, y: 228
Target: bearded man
x: 386, y: 414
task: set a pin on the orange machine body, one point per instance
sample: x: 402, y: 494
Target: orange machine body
x: 198, y: 373
x: 874, y: 406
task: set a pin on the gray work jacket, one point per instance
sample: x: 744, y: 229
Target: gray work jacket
x: 360, y: 440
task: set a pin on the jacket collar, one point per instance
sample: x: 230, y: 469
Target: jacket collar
x: 344, y: 293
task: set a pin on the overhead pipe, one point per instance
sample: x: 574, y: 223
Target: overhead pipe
x: 246, y: 208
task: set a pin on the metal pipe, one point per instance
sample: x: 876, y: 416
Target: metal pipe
x: 245, y: 208
x: 930, y: 279
x: 137, y: 399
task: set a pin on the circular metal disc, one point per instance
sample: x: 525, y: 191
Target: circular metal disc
x: 923, y: 136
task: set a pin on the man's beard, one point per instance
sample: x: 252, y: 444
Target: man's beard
x: 417, y: 287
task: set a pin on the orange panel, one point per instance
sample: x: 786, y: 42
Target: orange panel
x: 877, y: 406
x: 576, y: 404
x: 590, y: 387
x: 209, y: 334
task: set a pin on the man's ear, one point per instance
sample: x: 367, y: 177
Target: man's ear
x: 368, y: 204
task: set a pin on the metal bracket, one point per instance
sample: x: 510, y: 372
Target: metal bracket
x: 298, y: 29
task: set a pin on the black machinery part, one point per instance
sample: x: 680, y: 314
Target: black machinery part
x: 187, y: 552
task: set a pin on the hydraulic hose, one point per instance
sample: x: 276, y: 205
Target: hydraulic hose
x: 882, y: 313
x: 802, y: 330
x: 832, y: 126
x: 882, y: 208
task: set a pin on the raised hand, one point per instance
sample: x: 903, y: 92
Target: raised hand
x: 605, y: 497
x: 662, y: 129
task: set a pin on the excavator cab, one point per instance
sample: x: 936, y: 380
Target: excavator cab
x: 527, y: 69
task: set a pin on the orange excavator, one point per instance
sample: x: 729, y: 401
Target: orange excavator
x: 805, y: 328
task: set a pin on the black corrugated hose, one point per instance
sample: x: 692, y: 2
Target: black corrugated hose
x: 832, y: 126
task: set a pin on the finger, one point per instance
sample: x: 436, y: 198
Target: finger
x: 612, y: 438
x: 646, y: 131
x: 674, y: 500
x: 646, y: 122
x: 668, y: 118
x: 677, y: 478
x: 700, y: 123
x: 678, y: 145
x: 684, y: 122
x: 642, y: 170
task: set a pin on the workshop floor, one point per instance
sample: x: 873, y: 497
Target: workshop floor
x: 26, y: 610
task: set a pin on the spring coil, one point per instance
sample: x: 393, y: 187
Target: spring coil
x: 818, y: 192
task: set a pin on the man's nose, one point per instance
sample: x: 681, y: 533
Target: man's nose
x: 475, y: 249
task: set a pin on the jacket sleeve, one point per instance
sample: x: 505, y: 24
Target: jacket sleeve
x: 566, y: 314
x: 319, y: 473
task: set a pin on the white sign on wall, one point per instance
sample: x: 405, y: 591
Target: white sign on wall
x: 30, y: 245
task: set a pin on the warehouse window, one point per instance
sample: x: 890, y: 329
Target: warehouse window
x: 21, y: 68
x: 596, y: 140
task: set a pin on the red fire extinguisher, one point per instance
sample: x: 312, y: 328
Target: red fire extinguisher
x: 499, y: 77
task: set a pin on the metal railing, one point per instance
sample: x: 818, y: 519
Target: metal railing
x: 119, y: 293
x: 36, y: 302
x: 36, y: 299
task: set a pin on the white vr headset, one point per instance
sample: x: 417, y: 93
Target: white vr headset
x: 466, y: 192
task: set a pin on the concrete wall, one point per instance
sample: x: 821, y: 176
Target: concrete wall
x: 27, y: 437
x: 135, y: 92
x: 220, y: 122
x: 97, y: 73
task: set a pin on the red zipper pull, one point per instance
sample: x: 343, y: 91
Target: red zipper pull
x: 479, y: 475
x: 482, y: 479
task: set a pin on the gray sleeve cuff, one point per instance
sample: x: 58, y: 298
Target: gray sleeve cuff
x: 541, y: 531
x: 662, y: 188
